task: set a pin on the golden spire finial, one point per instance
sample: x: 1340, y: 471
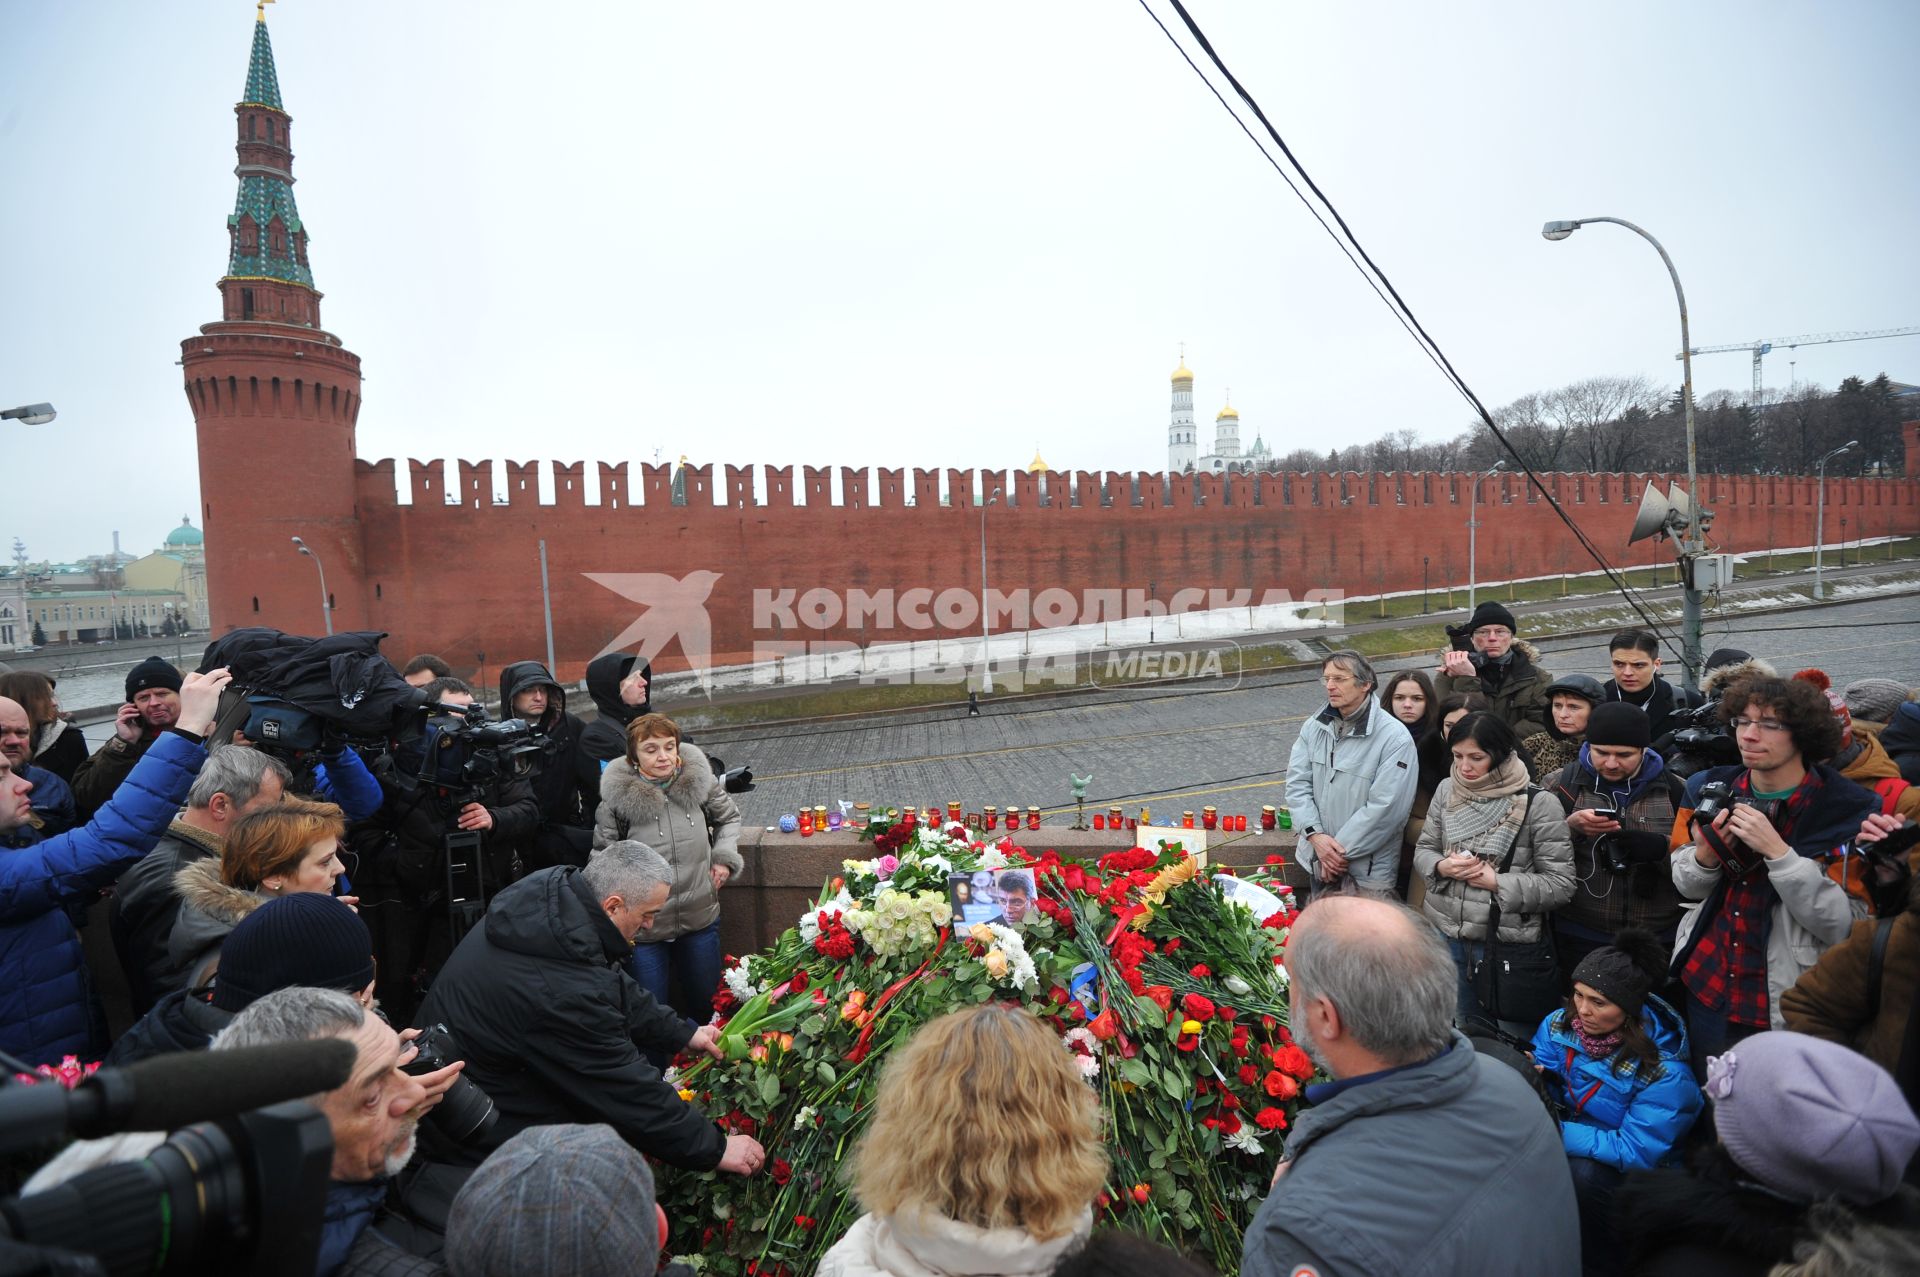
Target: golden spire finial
x: 260, y: 8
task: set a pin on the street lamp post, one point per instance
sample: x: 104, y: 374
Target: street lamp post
x: 326, y: 603
x: 986, y: 623
x: 1820, y: 517
x: 1473, y: 533
x: 1693, y: 537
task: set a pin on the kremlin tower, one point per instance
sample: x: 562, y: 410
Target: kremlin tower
x: 274, y: 399
x: 1181, y: 444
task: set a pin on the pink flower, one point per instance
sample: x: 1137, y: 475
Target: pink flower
x: 885, y: 867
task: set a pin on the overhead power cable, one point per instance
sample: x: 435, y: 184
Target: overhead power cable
x: 1369, y: 270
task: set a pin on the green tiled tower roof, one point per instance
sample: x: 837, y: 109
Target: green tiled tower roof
x: 266, y: 195
x: 263, y: 86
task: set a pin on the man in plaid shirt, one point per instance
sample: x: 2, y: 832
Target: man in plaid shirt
x: 1769, y: 871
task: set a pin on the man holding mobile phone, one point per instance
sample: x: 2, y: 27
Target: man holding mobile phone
x: 1620, y: 801
x: 153, y: 705
x: 1785, y: 817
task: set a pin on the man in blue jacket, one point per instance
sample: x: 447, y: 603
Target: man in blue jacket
x: 46, y: 1006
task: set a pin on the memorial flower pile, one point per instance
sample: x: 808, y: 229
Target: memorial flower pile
x: 1162, y: 978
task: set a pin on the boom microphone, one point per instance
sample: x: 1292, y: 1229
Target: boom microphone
x: 171, y: 1091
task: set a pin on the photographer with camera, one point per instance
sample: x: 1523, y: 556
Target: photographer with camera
x: 554, y: 1027
x: 46, y: 1007
x: 1487, y: 658
x: 1763, y: 852
x: 1620, y: 802
x: 457, y: 810
x: 373, y: 1117
x: 566, y: 791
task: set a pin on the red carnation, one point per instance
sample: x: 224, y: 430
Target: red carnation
x: 1270, y: 1119
x: 805, y: 1222
x: 1225, y: 1012
x: 1200, y: 971
x: 781, y: 1172
x: 1249, y: 1075
x: 1172, y: 944
x: 799, y: 982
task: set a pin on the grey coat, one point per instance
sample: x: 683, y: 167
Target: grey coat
x: 1358, y: 788
x: 1452, y: 1166
x: 674, y: 822
x: 1539, y: 881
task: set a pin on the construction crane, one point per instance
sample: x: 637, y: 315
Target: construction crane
x: 1760, y: 348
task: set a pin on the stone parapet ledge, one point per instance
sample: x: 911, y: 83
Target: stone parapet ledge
x: 783, y: 873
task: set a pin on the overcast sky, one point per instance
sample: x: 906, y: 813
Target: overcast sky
x: 931, y: 234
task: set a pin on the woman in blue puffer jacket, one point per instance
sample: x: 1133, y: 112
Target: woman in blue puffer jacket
x: 46, y: 1003
x: 1615, y: 1060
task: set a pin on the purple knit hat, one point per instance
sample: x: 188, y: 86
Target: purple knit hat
x: 1811, y: 1119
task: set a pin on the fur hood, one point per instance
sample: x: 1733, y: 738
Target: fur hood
x: 1714, y: 684
x: 1527, y: 650
x: 200, y: 888
x: 638, y: 798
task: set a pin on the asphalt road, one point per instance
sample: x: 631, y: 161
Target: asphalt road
x: 1184, y: 745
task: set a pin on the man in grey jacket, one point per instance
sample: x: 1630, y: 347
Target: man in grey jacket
x: 1350, y: 784
x: 1420, y: 1156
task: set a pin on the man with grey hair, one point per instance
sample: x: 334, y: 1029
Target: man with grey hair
x: 1350, y: 784
x: 373, y: 1117
x: 1419, y: 1155
x: 145, y: 904
x: 552, y: 1025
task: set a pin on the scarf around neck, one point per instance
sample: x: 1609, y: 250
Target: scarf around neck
x: 1475, y: 808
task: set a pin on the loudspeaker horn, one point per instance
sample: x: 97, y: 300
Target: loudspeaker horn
x: 1682, y: 506
x: 1651, y: 521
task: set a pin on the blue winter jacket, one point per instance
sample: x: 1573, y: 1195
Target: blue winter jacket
x: 1624, y: 1120
x: 45, y: 997
x: 52, y: 800
x: 345, y: 779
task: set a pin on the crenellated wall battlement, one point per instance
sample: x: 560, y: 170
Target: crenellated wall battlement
x: 517, y: 484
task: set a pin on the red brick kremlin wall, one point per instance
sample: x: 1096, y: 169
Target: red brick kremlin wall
x: 464, y: 578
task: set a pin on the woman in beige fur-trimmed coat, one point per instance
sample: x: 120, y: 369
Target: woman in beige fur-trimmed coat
x: 664, y: 794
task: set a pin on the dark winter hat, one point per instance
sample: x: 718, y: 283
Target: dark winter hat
x: 1627, y: 970
x: 304, y: 940
x: 1618, y: 723
x: 1724, y: 656
x: 1585, y: 685
x: 1875, y: 700
x: 1491, y: 613
x: 576, y: 1200
x: 152, y: 672
x: 1811, y: 1119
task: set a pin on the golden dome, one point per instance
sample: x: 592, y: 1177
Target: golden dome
x: 1181, y: 374
x: 1039, y: 465
x: 1228, y: 411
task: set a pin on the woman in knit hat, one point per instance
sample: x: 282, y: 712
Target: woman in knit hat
x: 1615, y: 1060
x: 1570, y: 702
x: 1800, y: 1122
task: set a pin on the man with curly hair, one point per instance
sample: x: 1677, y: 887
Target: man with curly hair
x: 1765, y: 877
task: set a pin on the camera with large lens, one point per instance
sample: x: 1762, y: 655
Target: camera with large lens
x: 467, y: 1114
x: 1703, y: 742
x: 461, y: 750
x: 243, y: 1195
x: 1460, y: 638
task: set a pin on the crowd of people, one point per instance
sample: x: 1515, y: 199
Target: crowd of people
x: 1604, y: 976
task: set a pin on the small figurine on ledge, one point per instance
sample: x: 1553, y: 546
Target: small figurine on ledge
x: 1080, y: 784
